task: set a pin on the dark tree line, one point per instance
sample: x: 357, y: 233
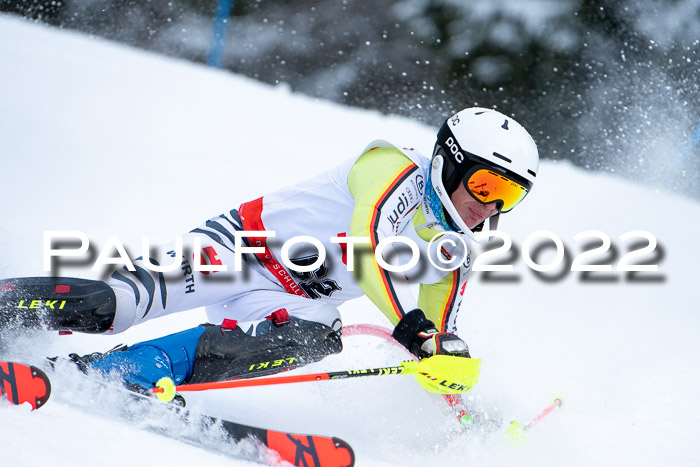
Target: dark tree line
x: 608, y: 84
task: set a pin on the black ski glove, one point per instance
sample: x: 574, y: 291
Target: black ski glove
x: 419, y: 335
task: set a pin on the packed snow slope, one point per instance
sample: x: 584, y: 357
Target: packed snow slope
x: 117, y: 142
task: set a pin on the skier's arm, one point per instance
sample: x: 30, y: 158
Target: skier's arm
x: 441, y: 301
x: 375, y: 184
x: 430, y: 329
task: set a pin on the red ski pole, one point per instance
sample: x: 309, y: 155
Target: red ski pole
x: 556, y: 403
x: 516, y: 432
x: 441, y: 374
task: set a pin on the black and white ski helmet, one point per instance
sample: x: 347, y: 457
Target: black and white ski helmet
x: 483, y: 137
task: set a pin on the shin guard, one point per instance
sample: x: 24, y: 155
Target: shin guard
x: 264, y: 348
x: 57, y: 303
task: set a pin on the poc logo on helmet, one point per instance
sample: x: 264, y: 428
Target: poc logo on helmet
x: 454, y: 149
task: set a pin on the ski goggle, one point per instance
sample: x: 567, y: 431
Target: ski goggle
x: 488, y: 186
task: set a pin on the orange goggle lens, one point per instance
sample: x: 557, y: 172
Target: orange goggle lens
x: 488, y: 187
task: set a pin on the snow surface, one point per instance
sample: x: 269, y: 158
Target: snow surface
x: 113, y: 141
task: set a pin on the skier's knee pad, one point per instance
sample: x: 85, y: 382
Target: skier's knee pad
x: 262, y: 348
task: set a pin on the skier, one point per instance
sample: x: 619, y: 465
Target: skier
x: 267, y: 317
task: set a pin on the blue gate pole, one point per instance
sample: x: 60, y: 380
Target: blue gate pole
x: 689, y: 147
x: 216, y: 50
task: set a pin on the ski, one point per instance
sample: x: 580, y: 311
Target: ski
x: 21, y: 383
x: 298, y: 449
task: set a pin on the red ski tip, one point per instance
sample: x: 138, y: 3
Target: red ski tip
x: 23, y: 383
x: 311, y: 451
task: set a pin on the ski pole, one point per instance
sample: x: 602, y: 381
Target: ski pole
x: 452, y: 400
x: 555, y: 403
x: 516, y: 432
x: 442, y: 374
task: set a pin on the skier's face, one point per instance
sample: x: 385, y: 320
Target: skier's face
x: 473, y: 212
